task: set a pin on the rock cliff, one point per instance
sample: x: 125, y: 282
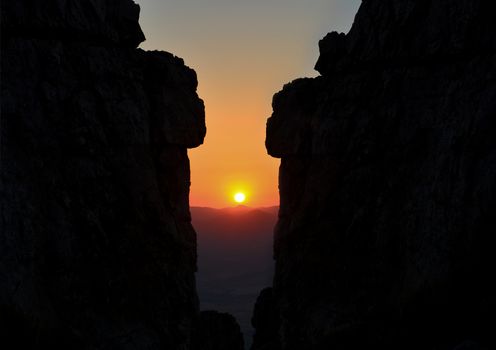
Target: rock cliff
x: 387, y: 183
x: 96, y: 245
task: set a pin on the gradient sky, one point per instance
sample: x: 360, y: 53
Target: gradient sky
x: 243, y: 51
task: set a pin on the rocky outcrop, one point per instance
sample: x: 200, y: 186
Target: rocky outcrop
x: 266, y: 321
x: 99, y: 22
x: 387, y: 183
x: 96, y: 245
x: 218, y: 331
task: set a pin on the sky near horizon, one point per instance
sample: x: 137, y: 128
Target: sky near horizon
x: 243, y: 52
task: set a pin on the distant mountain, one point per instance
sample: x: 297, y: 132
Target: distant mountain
x: 234, y: 258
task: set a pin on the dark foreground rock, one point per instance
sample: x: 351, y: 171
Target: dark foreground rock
x: 96, y: 246
x: 218, y: 331
x: 266, y: 320
x: 388, y: 184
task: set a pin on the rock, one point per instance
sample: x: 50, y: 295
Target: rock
x: 332, y: 49
x: 97, y: 247
x: 218, y: 331
x: 387, y: 183
x: 97, y: 22
x: 469, y: 345
x: 266, y: 321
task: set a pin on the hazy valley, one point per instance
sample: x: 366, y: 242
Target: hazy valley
x: 234, y: 258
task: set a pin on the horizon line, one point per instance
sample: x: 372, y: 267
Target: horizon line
x: 236, y: 206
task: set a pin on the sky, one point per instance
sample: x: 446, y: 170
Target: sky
x: 243, y: 51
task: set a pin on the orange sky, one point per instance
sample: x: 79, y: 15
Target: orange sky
x: 243, y: 52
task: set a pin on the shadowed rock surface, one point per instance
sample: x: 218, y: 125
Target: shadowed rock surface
x: 218, y: 331
x: 388, y: 182
x: 96, y: 245
x: 266, y: 321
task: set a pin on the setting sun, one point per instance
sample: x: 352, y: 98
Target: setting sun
x: 239, y: 197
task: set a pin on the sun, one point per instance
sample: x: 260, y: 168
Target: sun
x: 239, y: 197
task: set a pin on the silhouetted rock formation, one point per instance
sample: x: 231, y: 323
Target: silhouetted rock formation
x: 388, y: 181
x: 99, y: 22
x: 266, y: 321
x: 97, y: 249
x: 218, y: 331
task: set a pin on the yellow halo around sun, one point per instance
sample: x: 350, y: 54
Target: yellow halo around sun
x: 239, y: 197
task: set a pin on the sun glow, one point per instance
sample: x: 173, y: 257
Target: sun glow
x: 239, y: 197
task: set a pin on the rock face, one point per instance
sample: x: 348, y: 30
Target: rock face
x: 97, y: 249
x: 266, y: 321
x: 388, y: 183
